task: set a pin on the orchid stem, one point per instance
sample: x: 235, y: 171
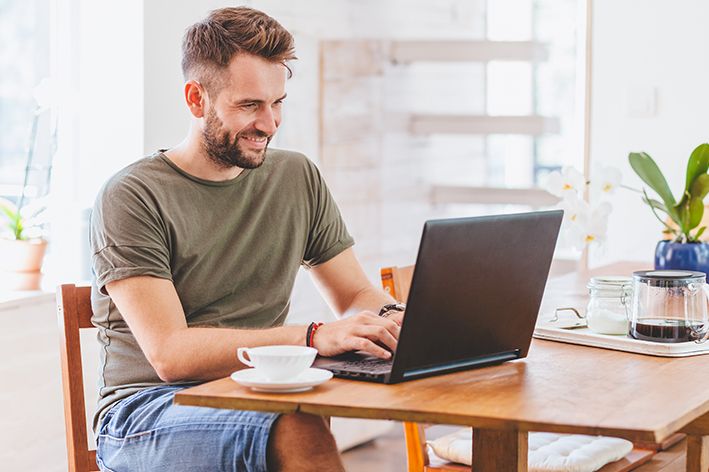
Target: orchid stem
x: 652, y: 208
x: 632, y: 189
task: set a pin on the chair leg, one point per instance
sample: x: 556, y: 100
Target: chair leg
x: 416, y: 455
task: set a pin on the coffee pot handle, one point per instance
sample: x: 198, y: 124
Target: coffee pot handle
x: 702, y: 334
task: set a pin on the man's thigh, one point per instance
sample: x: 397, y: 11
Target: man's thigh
x: 147, y: 432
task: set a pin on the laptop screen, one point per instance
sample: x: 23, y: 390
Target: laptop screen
x: 477, y: 287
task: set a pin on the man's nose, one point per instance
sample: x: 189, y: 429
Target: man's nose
x: 267, y: 121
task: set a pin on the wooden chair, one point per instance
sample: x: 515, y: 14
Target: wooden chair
x: 397, y: 281
x: 74, y: 313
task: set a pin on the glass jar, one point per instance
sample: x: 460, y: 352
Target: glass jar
x: 607, y: 310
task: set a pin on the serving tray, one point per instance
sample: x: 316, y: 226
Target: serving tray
x: 586, y: 337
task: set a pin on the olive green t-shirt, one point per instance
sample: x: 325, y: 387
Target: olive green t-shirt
x: 232, y: 249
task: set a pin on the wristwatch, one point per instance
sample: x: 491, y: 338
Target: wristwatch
x: 391, y: 307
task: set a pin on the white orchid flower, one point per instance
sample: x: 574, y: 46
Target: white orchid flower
x: 575, y: 209
x: 583, y: 224
x: 597, y: 226
x: 605, y: 181
x: 569, y: 182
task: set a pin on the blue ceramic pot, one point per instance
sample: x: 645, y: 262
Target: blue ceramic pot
x: 686, y: 256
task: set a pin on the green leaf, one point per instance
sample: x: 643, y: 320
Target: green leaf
x: 667, y: 229
x: 698, y: 164
x: 696, y: 212
x: 699, y: 233
x: 647, y: 170
x: 19, y: 229
x: 683, y: 222
x: 700, y: 186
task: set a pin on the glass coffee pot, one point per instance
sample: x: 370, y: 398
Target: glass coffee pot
x: 669, y: 306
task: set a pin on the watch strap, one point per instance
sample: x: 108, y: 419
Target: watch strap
x: 391, y: 307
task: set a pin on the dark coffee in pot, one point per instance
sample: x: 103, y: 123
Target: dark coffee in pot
x: 668, y: 330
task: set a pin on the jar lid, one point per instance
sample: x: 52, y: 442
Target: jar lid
x: 609, y: 282
x: 668, y: 274
x: 668, y: 278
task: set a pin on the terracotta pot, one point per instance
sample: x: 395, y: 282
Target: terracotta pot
x: 21, y: 263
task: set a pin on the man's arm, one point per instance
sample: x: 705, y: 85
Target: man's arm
x: 350, y: 294
x: 154, y: 314
x: 346, y: 288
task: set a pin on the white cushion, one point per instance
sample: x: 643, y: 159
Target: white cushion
x: 547, y: 451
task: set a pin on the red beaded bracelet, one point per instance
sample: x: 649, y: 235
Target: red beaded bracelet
x: 310, y: 335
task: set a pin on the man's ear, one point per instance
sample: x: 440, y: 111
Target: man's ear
x: 196, y: 98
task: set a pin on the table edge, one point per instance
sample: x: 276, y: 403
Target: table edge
x: 279, y: 406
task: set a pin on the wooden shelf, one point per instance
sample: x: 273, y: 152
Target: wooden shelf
x: 532, y: 125
x: 460, y: 51
x: 533, y: 197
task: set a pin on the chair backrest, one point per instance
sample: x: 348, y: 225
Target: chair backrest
x: 396, y: 281
x: 74, y: 313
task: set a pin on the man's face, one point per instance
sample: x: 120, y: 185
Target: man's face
x: 245, y: 114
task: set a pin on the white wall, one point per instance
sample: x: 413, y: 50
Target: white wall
x: 660, y: 48
x: 97, y: 64
x: 663, y: 47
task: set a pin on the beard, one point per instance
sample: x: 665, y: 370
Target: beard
x: 226, y: 152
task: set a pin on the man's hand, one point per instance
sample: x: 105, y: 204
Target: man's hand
x: 396, y: 316
x: 365, y: 332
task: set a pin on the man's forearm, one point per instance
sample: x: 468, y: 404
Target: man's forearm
x: 210, y: 353
x: 369, y: 299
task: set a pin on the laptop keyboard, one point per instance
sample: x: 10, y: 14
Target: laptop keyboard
x: 376, y: 366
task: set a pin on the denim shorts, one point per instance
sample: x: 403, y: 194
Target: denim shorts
x: 147, y: 432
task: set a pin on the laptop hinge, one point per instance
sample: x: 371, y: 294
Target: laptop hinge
x: 461, y: 364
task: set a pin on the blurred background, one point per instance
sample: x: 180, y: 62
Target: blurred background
x: 412, y: 110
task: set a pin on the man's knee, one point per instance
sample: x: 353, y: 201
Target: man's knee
x: 301, y: 426
x: 300, y: 437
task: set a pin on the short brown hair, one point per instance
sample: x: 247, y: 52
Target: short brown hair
x: 209, y: 46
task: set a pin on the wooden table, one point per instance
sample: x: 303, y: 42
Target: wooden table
x: 557, y: 388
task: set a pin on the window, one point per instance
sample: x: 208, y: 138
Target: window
x: 24, y: 60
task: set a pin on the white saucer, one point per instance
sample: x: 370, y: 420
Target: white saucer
x: 304, y: 381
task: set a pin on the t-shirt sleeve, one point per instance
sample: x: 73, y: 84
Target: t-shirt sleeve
x: 127, y: 235
x: 328, y: 235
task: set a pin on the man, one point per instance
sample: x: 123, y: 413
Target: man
x: 195, y: 251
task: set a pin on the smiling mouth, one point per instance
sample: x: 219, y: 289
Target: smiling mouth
x: 258, y: 143
x: 255, y: 139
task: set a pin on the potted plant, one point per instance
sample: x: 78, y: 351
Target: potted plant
x: 22, y: 245
x: 682, y: 219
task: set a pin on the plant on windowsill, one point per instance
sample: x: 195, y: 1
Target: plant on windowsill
x: 683, y: 225
x: 22, y: 242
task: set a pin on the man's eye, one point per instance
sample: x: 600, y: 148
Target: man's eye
x: 249, y: 106
x: 278, y: 103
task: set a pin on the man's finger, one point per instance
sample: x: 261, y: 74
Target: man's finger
x: 397, y: 317
x: 391, y: 325
x: 367, y: 346
x: 380, y: 335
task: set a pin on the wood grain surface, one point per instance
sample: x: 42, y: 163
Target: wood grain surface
x: 558, y: 388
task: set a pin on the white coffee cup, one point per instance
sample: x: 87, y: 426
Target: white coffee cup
x: 277, y: 362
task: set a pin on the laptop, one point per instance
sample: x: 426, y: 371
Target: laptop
x: 474, y: 298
